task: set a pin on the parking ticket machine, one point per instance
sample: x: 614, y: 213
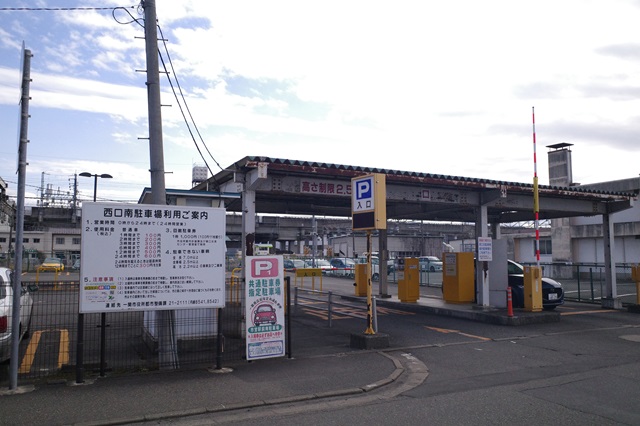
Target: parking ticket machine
x: 408, y: 279
x: 458, y: 277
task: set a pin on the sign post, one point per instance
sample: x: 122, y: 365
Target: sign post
x: 369, y: 212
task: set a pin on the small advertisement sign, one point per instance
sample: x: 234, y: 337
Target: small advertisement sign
x: 264, y: 311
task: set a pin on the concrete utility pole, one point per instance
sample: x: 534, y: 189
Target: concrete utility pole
x: 167, y: 347
x: 22, y: 172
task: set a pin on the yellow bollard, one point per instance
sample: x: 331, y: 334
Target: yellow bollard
x: 635, y: 275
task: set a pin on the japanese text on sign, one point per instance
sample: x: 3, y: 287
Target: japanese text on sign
x: 151, y: 258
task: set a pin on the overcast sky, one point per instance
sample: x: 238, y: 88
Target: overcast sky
x: 433, y: 87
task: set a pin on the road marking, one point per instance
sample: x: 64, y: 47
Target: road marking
x: 447, y: 331
x: 32, y: 348
x: 63, y: 354
x: 30, y: 354
x: 588, y: 312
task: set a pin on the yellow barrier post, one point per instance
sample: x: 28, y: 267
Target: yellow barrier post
x: 309, y: 272
x: 532, y: 289
x: 635, y: 275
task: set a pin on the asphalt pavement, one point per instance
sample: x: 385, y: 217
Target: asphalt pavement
x: 323, y: 368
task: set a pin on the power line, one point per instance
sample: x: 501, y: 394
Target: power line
x: 184, y: 101
x: 53, y: 9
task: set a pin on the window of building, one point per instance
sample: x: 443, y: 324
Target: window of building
x: 60, y: 240
x: 76, y: 241
x: 25, y: 240
x: 36, y: 240
x: 3, y: 239
x: 545, y: 246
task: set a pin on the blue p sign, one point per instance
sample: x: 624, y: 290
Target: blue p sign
x: 363, y: 189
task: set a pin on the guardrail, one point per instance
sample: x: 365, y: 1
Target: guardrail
x: 324, y: 302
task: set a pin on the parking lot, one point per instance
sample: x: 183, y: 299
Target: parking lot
x: 50, y: 351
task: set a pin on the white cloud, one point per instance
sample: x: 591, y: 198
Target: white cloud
x: 443, y: 87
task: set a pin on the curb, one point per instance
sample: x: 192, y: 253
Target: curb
x: 397, y: 372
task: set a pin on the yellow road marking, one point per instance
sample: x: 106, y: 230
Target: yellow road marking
x: 29, y: 356
x: 447, y: 331
x: 588, y: 312
x: 63, y: 354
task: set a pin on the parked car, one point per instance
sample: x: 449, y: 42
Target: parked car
x: 552, y: 292
x: 51, y: 264
x: 6, y: 312
x: 430, y: 263
x: 343, y: 267
x: 375, y: 266
x: 318, y: 263
x: 291, y: 265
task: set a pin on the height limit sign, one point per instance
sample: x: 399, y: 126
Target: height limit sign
x: 369, y: 202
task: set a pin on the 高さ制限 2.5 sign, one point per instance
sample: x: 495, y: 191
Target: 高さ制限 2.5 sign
x: 264, y: 313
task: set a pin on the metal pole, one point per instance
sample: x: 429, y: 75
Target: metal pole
x: 22, y: 172
x: 375, y: 314
x: 329, y: 307
x: 103, y: 315
x: 167, y: 347
x: 287, y: 283
x: 369, y: 329
x: 219, y: 341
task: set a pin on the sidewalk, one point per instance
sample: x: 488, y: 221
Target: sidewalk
x: 323, y: 365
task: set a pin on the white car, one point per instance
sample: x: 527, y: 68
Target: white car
x: 430, y: 263
x: 6, y: 312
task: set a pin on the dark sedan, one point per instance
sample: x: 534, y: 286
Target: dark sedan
x: 552, y: 293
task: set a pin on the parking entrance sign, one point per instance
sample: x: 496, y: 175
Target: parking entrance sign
x: 369, y: 202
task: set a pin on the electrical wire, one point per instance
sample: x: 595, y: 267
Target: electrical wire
x: 181, y: 100
x: 53, y: 9
x: 175, y: 76
x: 184, y: 101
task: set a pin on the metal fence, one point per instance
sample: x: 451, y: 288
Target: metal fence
x: 586, y: 282
x: 130, y: 339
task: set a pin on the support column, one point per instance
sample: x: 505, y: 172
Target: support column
x: 383, y: 256
x: 482, y: 285
x: 610, y: 299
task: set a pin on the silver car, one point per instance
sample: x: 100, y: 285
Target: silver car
x: 6, y: 312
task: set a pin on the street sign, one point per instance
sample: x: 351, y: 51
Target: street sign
x: 369, y: 202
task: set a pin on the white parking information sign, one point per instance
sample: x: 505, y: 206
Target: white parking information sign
x: 151, y: 257
x: 485, y: 250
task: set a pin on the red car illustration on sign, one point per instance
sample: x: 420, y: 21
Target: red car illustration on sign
x: 264, y: 314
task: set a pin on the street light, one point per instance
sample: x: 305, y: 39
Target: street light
x: 95, y: 180
x: 103, y: 315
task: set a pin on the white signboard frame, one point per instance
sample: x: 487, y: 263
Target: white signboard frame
x: 264, y: 308
x: 151, y: 257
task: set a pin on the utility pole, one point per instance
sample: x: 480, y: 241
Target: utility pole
x: 74, y: 203
x: 167, y: 346
x: 22, y: 172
